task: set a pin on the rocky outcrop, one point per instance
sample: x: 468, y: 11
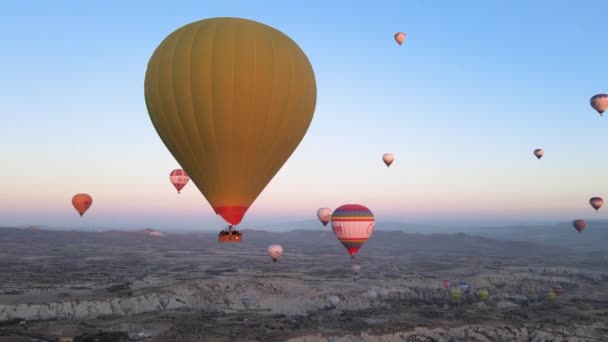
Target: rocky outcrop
x: 473, y: 333
x: 291, y: 296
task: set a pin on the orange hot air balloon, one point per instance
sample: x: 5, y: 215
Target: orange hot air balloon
x: 400, y: 37
x: 231, y: 99
x: 599, y: 102
x: 579, y: 225
x: 596, y: 202
x: 179, y: 178
x: 539, y: 153
x: 82, y: 203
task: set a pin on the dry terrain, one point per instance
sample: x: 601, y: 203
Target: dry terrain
x: 122, y: 286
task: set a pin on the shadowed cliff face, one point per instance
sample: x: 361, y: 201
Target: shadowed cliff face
x: 165, y: 286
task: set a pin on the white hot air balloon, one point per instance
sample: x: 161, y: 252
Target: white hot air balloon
x: 324, y: 215
x: 356, y: 269
x: 333, y: 300
x: 275, y: 252
x: 163, y: 299
x: 388, y: 159
x: 246, y: 300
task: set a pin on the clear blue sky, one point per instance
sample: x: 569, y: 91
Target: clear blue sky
x: 476, y: 87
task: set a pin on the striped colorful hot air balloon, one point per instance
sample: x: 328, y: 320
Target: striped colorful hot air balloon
x: 179, y: 178
x: 353, y: 224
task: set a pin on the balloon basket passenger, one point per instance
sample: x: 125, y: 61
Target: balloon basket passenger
x: 230, y: 234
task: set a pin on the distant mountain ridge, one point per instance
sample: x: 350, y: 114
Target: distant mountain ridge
x: 593, y: 238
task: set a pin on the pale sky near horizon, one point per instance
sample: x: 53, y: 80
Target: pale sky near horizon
x: 476, y: 87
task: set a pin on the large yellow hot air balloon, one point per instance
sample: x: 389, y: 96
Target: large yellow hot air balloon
x: 231, y: 99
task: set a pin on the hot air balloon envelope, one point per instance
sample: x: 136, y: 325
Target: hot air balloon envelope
x: 163, y: 300
x: 399, y: 38
x: 324, y: 215
x: 388, y: 159
x: 599, y: 102
x: 596, y: 202
x: 179, y: 178
x: 275, y: 252
x: 231, y: 99
x: 82, y: 203
x: 579, y: 225
x: 353, y: 224
x: 455, y: 293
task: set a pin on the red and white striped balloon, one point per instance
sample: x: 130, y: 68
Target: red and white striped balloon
x: 179, y: 178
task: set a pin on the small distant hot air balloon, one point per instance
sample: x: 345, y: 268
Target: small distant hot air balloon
x: 179, y: 178
x: 400, y: 37
x: 455, y: 293
x: 599, y: 102
x: 324, y: 215
x: 557, y: 289
x: 464, y: 286
x: 356, y: 269
x: 246, y: 301
x: 275, y: 252
x: 579, y: 225
x: 483, y: 294
x: 353, y: 224
x: 333, y: 300
x: 163, y: 299
x: 446, y: 283
x: 388, y: 159
x: 551, y: 295
x: 372, y: 294
x: 126, y: 304
x: 82, y: 203
x: 596, y: 202
x: 539, y: 153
